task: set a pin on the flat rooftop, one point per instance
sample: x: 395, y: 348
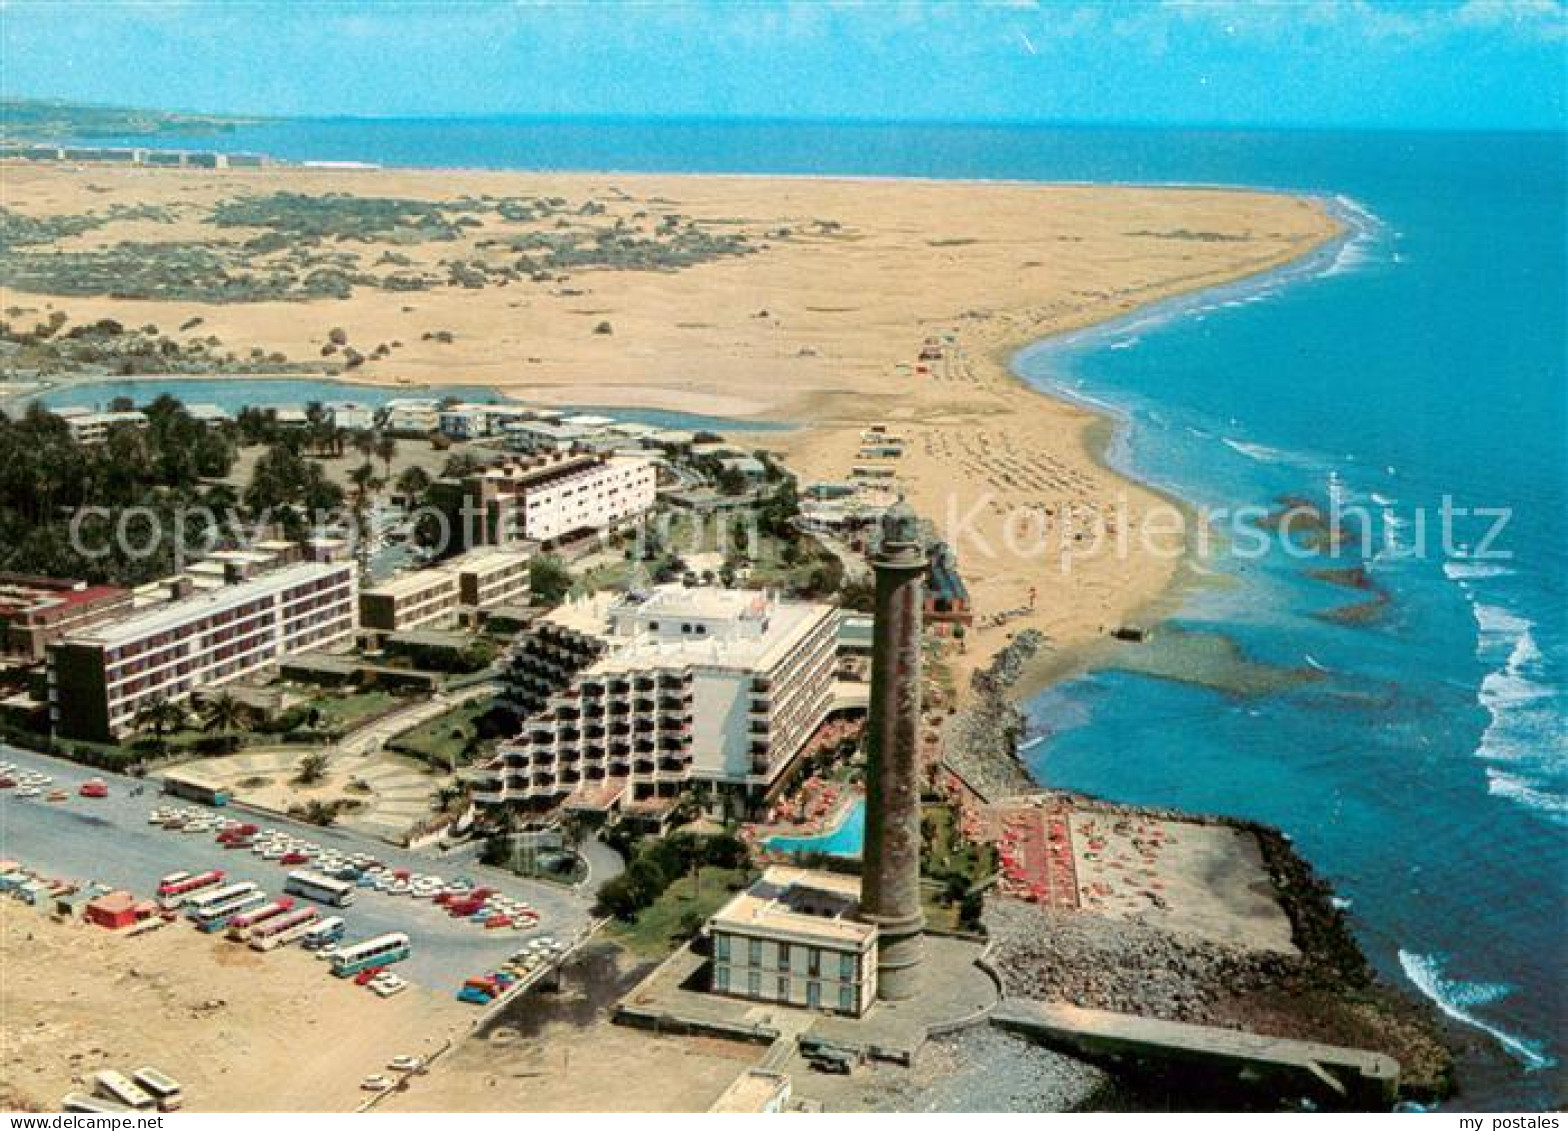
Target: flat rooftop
x: 487, y: 558
x: 801, y: 903
x: 747, y: 628
x: 176, y: 613
x: 415, y: 581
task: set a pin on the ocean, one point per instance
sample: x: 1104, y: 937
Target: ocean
x: 1416, y: 746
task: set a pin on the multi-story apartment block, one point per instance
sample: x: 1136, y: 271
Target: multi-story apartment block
x: 89, y: 427
x: 423, y: 598
x: 793, y: 938
x: 37, y: 611
x: 98, y: 678
x: 547, y: 498
x: 436, y: 597
x: 411, y: 415
x: 636, y: 698
x: 489, y: 578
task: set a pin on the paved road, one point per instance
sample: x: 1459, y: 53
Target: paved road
x: 110, y: 841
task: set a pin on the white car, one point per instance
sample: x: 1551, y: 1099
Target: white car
x: 327, y: 950
x: 406, y: 1064
x: 376, y: 1083
x: 389, y: 987
x: 29, y: 791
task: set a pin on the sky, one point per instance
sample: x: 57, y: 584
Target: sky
x: 1306, y: 63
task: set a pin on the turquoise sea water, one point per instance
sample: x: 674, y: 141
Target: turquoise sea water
x: 844, y: 839
x: 1425, y: 770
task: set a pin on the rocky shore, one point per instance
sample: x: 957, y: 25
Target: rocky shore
x: 981, y: 740
x: 1327, y: 992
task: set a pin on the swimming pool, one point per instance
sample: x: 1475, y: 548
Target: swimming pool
x: 843, y: 840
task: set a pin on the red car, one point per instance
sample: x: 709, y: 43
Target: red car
x: 7, y: 783
x: 94, y: 787
x: 292, y: 858
x: 365, y: 976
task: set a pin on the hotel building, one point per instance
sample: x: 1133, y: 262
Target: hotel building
x: 99, y: 677
x: 547, y: 498
x: 436, y: 597
x: 91, y: 428
x: 633, y: 699
x: 793, y: 938
x: 37, y: 611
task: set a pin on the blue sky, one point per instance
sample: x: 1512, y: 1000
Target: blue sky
x: 1485, y: 63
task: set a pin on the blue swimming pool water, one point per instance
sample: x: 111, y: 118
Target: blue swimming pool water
x: 844, y: 840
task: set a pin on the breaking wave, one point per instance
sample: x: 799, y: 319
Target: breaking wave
x: 1457, y: 999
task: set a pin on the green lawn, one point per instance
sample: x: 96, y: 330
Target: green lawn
x: 442, y: 740
x: 344, y: 712
x: 664, y: 926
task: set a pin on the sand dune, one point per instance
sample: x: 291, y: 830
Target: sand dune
x: 821, y: 326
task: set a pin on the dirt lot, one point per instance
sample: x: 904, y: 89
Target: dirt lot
x: 241, y: 1031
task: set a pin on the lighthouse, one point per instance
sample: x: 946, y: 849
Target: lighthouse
x: 890, y: 877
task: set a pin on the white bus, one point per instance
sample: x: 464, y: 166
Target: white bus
x: 223, y: 893
x: 212, y: 918
x: 118, y: 1087
x: 91, y: 1105
x: 163, y: 1088
x: 379, y: 951
x: 322, y: 889
x: 320, y: 934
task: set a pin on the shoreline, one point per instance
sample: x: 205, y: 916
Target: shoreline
x: 1113, y: 421
x: 819, y: 328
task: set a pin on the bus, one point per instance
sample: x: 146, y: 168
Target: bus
x: 215, y: 916
x: 322, y: 889
x: 163, y: 1088
x: 192, y: 787
x: 171, y: 879
x: 323, y: 932
x: 91, y: 1105
x: 118, y: 1087
x: 265, y: 936
x: 379, y: 951
x: 198, y: 902
x: 240, y: 925
x: 175, y: 892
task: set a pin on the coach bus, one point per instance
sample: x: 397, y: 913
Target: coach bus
x: 161, y: 1087
x: 199, y: 901
x: 323, y: 932
x: 118, y: 1087
x: 215, y: 916
x: 322, y: 889
x: 379, y: 951
x: 281, y: 929
x: 174, y: 892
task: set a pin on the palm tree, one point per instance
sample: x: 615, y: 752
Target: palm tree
x: 225, y: 715
x: 412, y: 482
x: 364, y: 442
x: 312, y: 768
x: 158, y: 717
x: 386, y: 448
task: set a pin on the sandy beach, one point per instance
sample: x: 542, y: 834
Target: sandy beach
x: 821, y: 324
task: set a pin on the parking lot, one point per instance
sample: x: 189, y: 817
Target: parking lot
x: 109, y: 840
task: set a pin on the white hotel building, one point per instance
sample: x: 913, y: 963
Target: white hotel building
x: 98, y: 678
x: 633, y: 699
